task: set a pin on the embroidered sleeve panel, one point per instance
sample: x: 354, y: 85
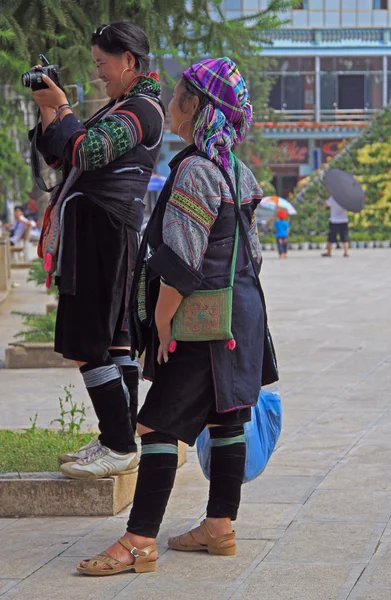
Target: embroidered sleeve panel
x: 192, y: 209
x: 107, y: 140
x: 255, y: 195
x: 251, y: 190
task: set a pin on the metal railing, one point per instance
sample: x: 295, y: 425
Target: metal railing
x: 305, y: 116
x: 327, y: 36
x: 343, y: 115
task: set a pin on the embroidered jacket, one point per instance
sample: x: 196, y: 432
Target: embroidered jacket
x: 191, y: 235
x: 117, y: 154
x: 199, y: 216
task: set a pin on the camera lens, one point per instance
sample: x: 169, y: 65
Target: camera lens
x: 26, y: 81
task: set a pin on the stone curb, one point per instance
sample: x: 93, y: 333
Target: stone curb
x: 4, y: 293
x: 53, y: 495
x: 29, y: 355
x: 22, y: 265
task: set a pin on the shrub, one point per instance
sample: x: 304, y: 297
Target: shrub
x: 267, y: 239
x: 41, y: 327
x: 38, y: 275
x: 318, y: 239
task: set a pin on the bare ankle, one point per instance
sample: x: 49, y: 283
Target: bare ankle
x: 219, y: 526
x: 139, y: 541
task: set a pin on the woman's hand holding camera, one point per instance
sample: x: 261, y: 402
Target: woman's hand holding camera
x: 51, y: 97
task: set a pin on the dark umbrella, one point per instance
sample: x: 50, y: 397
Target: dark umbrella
x: 345, y: 190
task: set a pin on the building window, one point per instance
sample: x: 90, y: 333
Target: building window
x: 380, y: 4
x: 251, y: 5
x: 351, y: 92
x: 304, y: 5
x: 288, y: 93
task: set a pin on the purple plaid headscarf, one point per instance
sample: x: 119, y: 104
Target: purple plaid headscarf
x: 225, y: 121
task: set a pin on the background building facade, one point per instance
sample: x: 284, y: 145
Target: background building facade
x: 331, y: 71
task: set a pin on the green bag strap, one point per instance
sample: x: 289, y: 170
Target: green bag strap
x: 237, y: 199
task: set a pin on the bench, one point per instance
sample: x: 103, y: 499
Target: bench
x: 17, y: 253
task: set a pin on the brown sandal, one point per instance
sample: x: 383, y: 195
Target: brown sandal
x: 141, y: 563
x: 214, y: 545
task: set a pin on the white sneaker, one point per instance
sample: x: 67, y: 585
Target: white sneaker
x: 101, y: 462
x: 83, y: 452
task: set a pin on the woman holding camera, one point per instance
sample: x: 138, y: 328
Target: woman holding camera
x: 107, y: 162
x: 198, y: 383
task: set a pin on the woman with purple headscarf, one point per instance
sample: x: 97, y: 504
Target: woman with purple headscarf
x: 191, y: 237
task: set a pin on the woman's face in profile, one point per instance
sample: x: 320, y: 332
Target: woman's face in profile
x: 174, y: 108
x: 182, y: 109
x: 110, y: 68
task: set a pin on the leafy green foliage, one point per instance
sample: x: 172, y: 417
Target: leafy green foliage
x: 38, y: 275
x: 40, y: 327
x: 36, y: 450
x: 15, y: 177
x: 367, y: 157
x: 72, y: 415
x: 179, y: 29
x: 61, y: 29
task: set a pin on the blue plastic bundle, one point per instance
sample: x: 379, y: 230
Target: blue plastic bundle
x: 261, y: 434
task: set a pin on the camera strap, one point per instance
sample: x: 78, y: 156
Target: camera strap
x: 35, y: 166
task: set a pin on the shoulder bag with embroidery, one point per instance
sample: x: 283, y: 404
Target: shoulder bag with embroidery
x: 206, y: 315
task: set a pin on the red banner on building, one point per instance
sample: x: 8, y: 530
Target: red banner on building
x: 291, y: 152
x: 330, y: 148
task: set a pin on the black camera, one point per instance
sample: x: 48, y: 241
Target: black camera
x: 33, y: 78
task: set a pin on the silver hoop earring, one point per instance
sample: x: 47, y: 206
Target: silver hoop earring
x: 179, y: 128
x: 122, y: 74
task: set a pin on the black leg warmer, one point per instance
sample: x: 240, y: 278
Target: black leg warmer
x: 104, y: 385
x: 156, y: 476
x: 227, y: 462
x: 130, y: 375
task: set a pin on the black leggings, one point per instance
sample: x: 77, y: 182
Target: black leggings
x: 282, y: 245
x: 157, y: 470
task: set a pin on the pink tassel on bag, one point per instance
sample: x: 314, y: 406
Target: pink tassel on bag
x: 47, y: 265
x: 231, y: 344
x: 172, y: 346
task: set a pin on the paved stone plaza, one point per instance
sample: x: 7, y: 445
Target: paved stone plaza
x: 315, y: 525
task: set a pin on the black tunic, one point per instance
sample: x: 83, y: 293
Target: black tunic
x: 99, y: 248
x: 232, y: 378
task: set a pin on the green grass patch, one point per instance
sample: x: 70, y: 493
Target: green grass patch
x: 37, y: 450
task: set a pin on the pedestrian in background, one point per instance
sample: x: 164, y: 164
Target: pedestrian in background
x: 338, y: 226
x: 20, y: 228
x: 282, y: 227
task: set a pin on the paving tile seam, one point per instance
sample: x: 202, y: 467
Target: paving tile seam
x: 343, y: 590
x: 34, y: 571
x: 309, y: 352
x: 331, y: 563
x: 9, y: 587
x: 19, y: 587
x: 357, y: 582
x: 335, y: 362
x: 370, y: 588
x: 388, y: 410
x: 324, y: 370
x: 241, y: 580
x: 309, y: 521
x: 303, y: 427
